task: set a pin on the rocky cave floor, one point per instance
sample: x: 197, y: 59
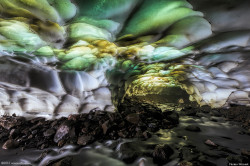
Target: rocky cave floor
x: 139, y: 135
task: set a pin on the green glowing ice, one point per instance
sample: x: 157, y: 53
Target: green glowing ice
x: 108, y: 25
x: 46, y: 51
x: 80, y: 63
x: 25, y: 38
x: 30, y: 8
x: 65, y: 8
x: 186, y: 31
x: 156, y: 16
x: 80, y: 34
x: 104, y: 9
x: 83, y: 31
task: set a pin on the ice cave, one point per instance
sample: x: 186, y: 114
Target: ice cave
x: 125, y: 82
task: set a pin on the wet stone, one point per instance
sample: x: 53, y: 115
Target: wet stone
x: 73, y: 117
x: 38, y: 119
x: 61, y: 143
x: 215, y: 113
x: 84, y: 140
x: 153, y: 127
x: 162, y: 153
x: 189, y: 111
x: 105, y: 127
x: 189, y: 153
x: 245, y: 152
x: 210, y: 143
x: 14, y: 133
x: 129, y: 152
x: 8, y: 122
x: 49, y: 132
x: 34, y: 132
x: 10, y: 144
x: 3, y: 135
x: 173, y: 117
x: 146, y: 134
x: 133, y: 118
x: 62, y: 132
x: 185, y: 163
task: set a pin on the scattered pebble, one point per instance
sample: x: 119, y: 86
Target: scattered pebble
x: 210, y: 143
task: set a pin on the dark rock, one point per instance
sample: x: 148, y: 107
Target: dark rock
x: 105, y: 127
x: 49, y: 132
x: 37, y: 126
x: 14, y: 133
x: 166, y: 123
x: 7, y: 124
x: 162, y: 154
x: 139, y: 134
x: 73, y: 117
x: 38, y: 119
x: 10, y: 144
x: 189, y: 111
x: 61, y: 143
x: 30, y: 136
x: 84, y: 130
x: 53, y: 124
x: 133, y: 118
x: 3, y: 135
x: 146, y: 134
x: 34, y: 132
x: 245, y: 152
x: 153, y: 127
x: 215, y: 113
x: 84, y: 140
x: 43, y: 155
x: 193, y: 128
x: 62, y: 132
x: 189, y: 153
x: 25, y: 131
x: 96, y: 132
x: 43, y: 146
x: 236, y: 159
x: 185, y: 163
x: 124, y: 133
x: 173, y: 117
x: 156, y: 114
x: 129, y: 152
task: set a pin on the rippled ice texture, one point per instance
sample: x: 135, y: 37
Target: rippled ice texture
x: 59, y: 57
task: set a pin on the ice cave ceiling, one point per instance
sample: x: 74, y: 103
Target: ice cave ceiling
x: 63, y: 57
